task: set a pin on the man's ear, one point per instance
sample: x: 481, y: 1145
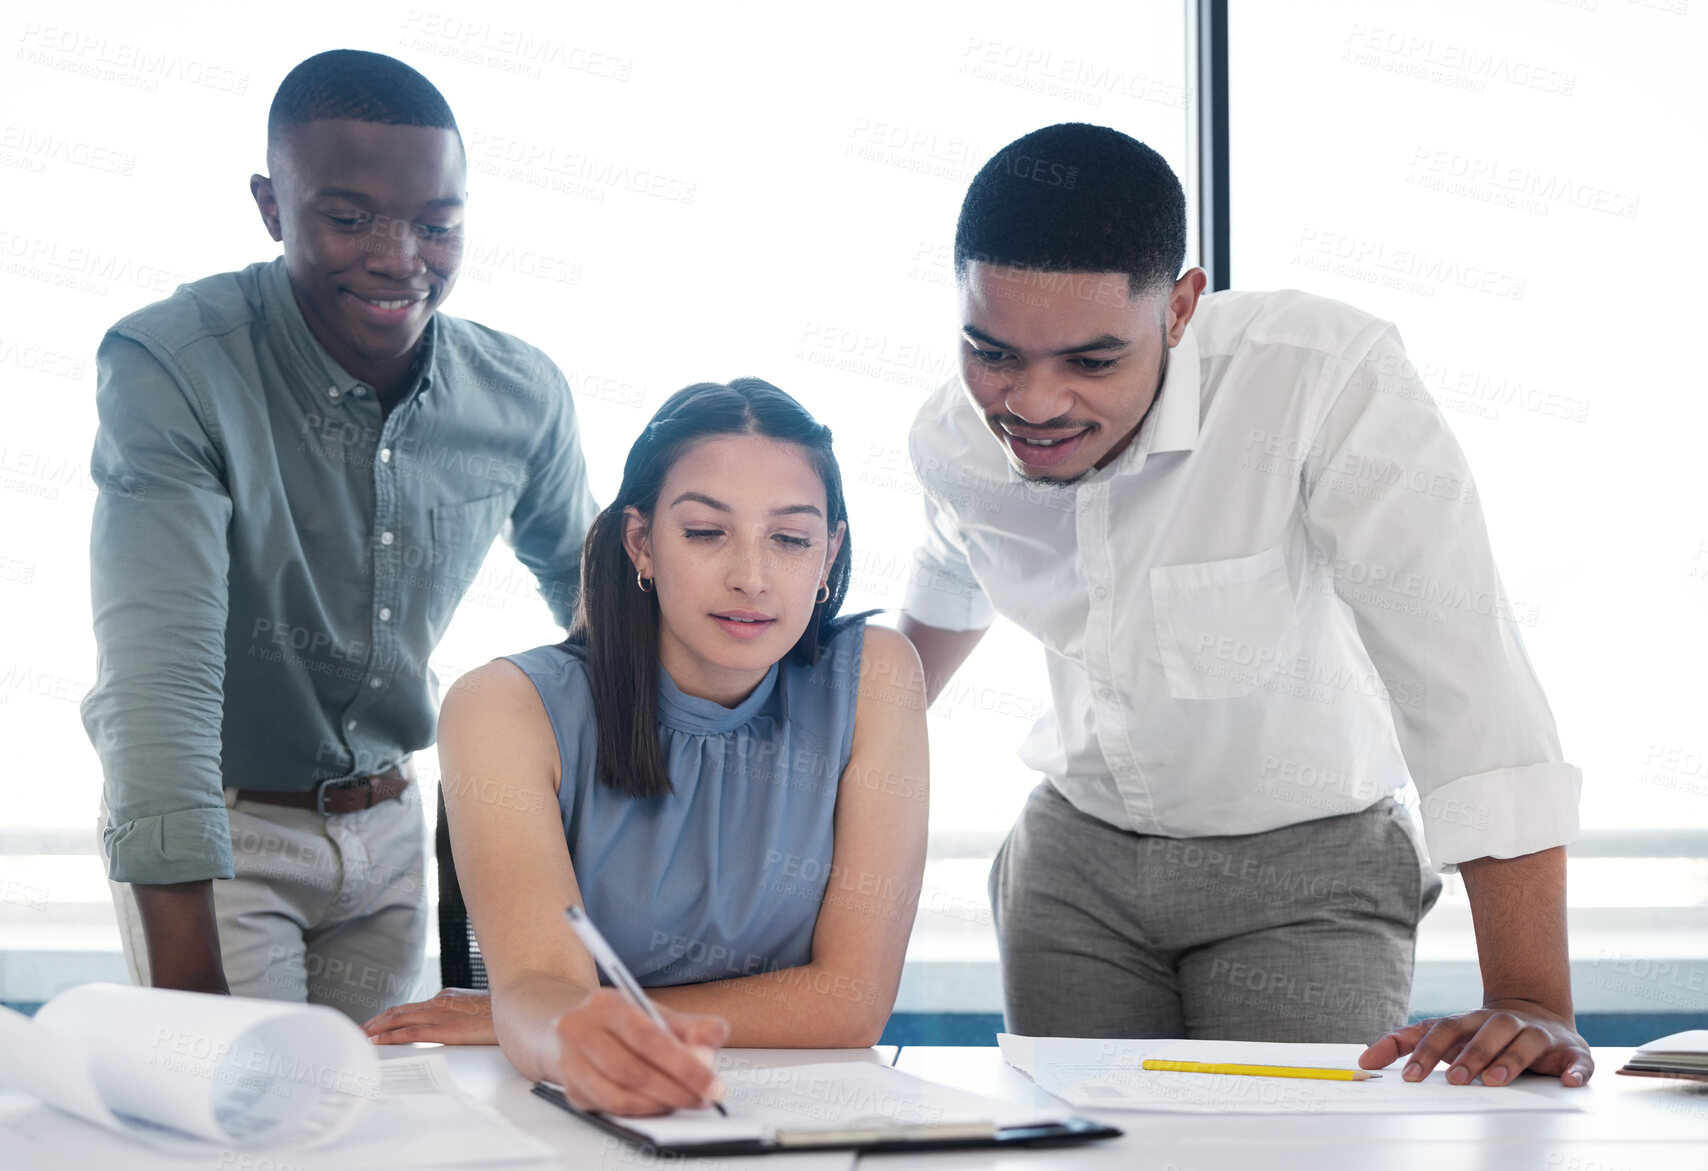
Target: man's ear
x: 1183, y: 302
x: 261, y: 188
x: 637, y: 540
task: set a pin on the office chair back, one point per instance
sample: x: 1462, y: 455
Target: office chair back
x: 460, y: 965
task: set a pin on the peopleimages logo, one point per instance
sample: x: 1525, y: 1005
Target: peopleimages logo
x: 1534, y: 189
x: 507, y: 50
x: 1448, y: 63
x: 1073, y: 79
x: 1408, y: 269
x: 31, y: 150
x: 101, y: 57
x: 83, y: 269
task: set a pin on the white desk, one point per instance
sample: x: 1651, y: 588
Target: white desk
x: 1632, y: 1124
x: 34, y: 1138
x: 482, y: 1072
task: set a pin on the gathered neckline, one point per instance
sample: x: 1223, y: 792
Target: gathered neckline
x: 706, y: 717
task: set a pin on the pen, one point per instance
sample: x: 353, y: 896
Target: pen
x: 1309, y: 1071
x: 617, y: 972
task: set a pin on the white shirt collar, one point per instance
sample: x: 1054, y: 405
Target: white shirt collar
x: 1177, y: 409
x: 1173, y: 422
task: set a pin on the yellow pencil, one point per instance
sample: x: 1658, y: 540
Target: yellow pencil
x: 1333, y: 1075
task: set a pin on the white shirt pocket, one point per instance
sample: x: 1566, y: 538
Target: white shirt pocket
x: 1223, y: 628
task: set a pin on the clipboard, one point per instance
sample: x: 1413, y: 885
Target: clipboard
x: 876, y: 1140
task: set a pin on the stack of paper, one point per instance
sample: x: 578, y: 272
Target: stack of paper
x: 1683, y: 1055
x: 1109, y: 1075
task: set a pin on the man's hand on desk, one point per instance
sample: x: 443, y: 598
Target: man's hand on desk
x: 456, y: 1016
x: 1518, y: 906
x: 1498, y: 1041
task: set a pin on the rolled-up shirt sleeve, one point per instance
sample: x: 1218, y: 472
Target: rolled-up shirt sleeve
x: 1393, y: 511
x: 158, y: 570
x: 551, y: 517
x: 942, y: 590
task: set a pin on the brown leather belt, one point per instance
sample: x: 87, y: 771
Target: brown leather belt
x: 338, y: 796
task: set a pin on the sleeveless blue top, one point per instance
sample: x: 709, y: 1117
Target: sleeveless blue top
x: 724, y: 876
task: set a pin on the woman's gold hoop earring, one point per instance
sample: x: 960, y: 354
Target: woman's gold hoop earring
x: 642, y: 582
x: 823, y: 594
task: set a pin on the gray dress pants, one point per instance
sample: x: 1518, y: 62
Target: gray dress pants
x: 1305, y: 933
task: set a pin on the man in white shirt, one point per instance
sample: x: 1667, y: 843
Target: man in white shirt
x: 1254, y: 554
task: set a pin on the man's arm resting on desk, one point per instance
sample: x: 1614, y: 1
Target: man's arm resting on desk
x: 159, y: 566
x: 1518, y: 906
x: 183, y: 938
x: 941, y: 652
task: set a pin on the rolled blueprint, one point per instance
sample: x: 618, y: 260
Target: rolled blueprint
x: 151, y: 1062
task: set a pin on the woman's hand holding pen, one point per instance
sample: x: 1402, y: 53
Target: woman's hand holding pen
x: 612, y: 1057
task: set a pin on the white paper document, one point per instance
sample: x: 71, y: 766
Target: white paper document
x: 418, y: 1119
x: 856, y: 1097
x: 144, y: 1078
x: 421, y: 1119
x: 1108, y: 1075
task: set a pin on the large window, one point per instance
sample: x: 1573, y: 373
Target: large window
x: 1516, y: 186
x: 657, y: 196
x: 663, y: 195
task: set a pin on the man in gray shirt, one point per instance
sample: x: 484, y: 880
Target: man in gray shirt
x: 302, y: 466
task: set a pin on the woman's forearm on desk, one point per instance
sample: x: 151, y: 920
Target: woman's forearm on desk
x: 808, y: 1007
x: 525, y: 1011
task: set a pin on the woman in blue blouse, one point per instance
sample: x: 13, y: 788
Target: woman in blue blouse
x: 732, y: 781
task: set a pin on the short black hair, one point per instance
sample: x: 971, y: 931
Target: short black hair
x: 361, y: 86
x: 1076, y: 198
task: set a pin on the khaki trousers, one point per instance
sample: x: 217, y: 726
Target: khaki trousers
x: 325, y: 908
